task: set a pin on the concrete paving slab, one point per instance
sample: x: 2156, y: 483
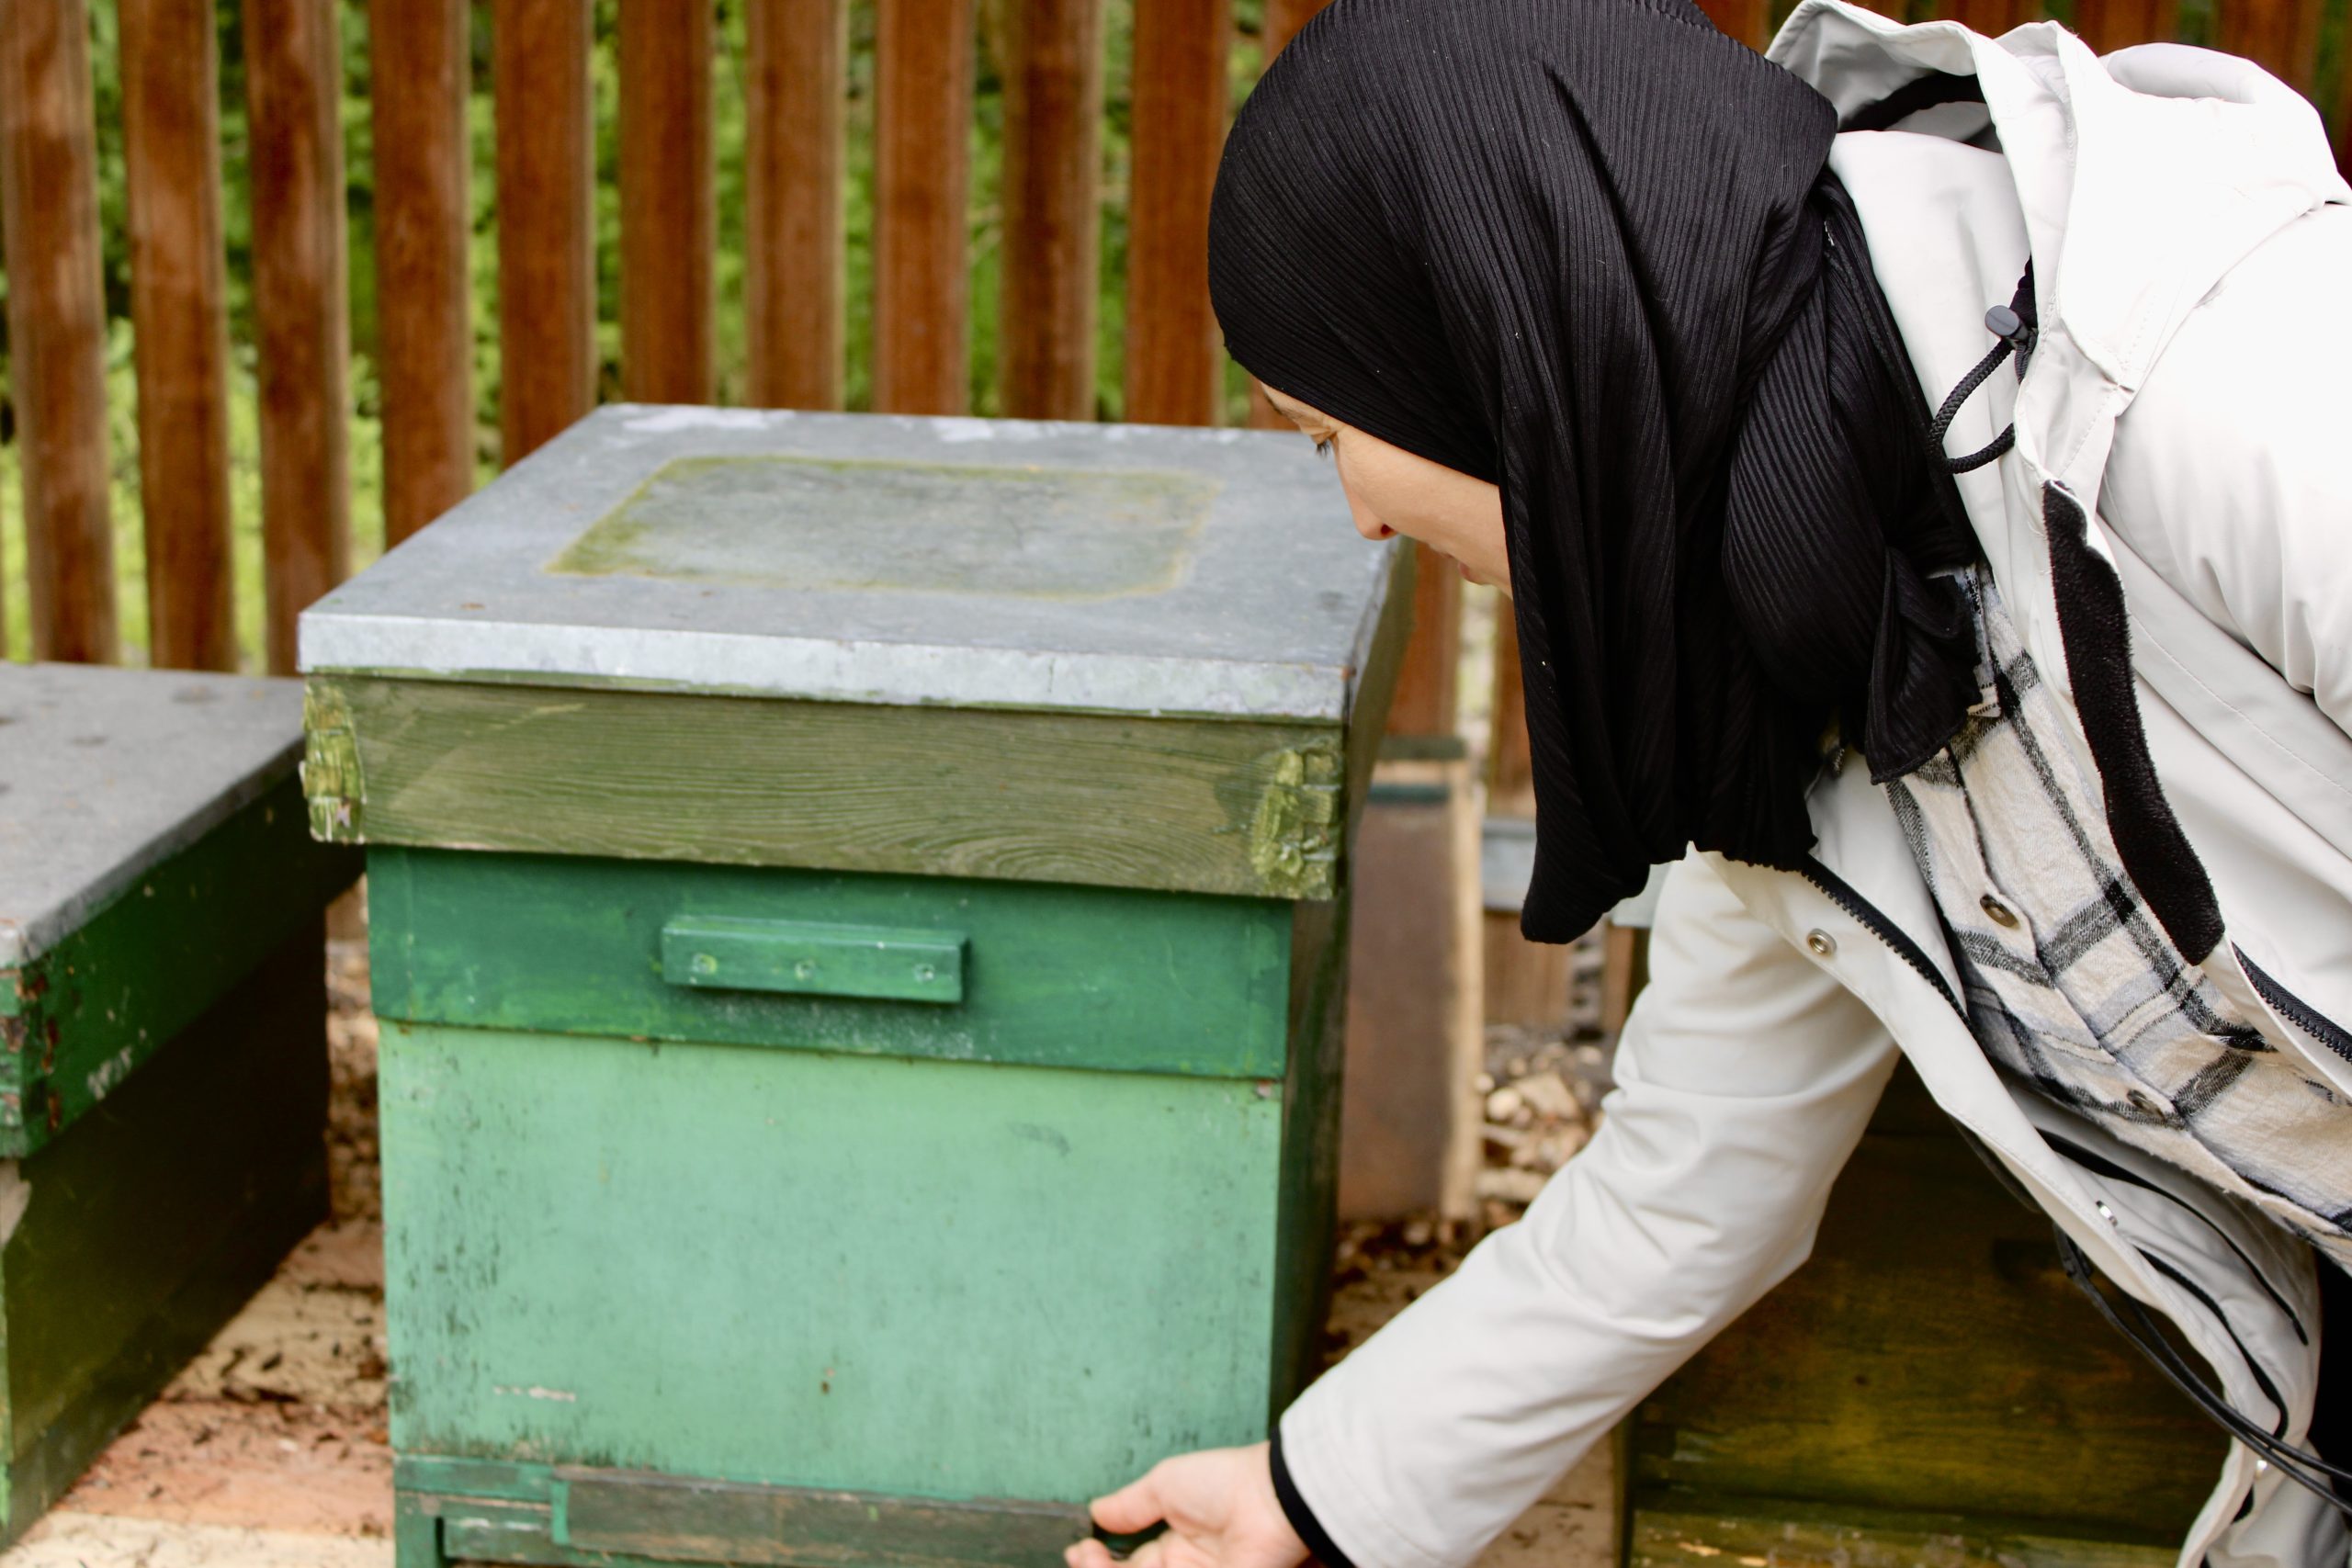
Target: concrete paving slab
x: 100, y: 1541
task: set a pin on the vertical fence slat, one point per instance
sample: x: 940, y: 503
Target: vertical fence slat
x: 1173, y: 360
x: 1053, y: 106
x: 1749, y: 21
x: 2343, y: 123
x: 294, y: 98
x: 1990, y: 17
x: 422, y: 72
x: 49, y: 209
x: 547, y: 235
x: 2116, y: 24
x: 922, y: 179
x: 1526, y: 983
x: 798, y: 55
x: 2280, y: 36
x: 171, y: 132
x: 1426, y: 697
x: 1511, y: 766
x: 668, y: 205
x: 1282, y: 20
x: 1263, y: 415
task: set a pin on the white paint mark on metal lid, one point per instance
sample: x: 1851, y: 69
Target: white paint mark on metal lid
x: 663, y: 421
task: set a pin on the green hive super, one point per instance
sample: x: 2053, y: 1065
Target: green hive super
x: 858, y: 913
x: 163, y: 1039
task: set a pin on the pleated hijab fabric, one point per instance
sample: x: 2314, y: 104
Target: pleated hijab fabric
x: 1589, y: 251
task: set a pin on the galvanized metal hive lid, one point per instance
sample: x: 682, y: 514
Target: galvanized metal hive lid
x: 104, y: 772
x: 887, y: 558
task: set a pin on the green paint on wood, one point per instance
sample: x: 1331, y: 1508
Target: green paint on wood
x: 1202, y: 805
x: 815, y: 525
x: 512, y: 1533
x: 331, y: 783
x: 1310, y: 1170
x: 733, y: 953
x: 515, y: 1533
x: 1295, y: 835
x: 416, y: 1534
x: 95, y: 1004
x: 673, y: 1519
x: 1376, y: 688
x: 433, y: 1476
x: 921, y: 1278
x: 1058, y: 975
x: 154, y: 1218
x: 537, y: 1514
x: 1947, y: 1367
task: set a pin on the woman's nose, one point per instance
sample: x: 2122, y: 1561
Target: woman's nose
x: 1371, y: 527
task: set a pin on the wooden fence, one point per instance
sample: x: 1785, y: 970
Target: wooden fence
x: 1051, y: 58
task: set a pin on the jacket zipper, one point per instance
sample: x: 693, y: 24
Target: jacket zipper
x: 2294, y: 1009
x: 1886, y: 930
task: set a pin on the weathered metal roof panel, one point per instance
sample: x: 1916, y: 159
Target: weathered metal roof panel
x: 105, y: 771
x: 886, y: 559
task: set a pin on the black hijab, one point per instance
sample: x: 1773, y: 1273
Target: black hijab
x: 1589, y: 249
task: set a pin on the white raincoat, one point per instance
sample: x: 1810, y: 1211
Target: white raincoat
x: 2193, y: 259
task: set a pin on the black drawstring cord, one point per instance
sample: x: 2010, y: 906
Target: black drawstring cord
x: 2287, y: 1459
x: 2014, y: 324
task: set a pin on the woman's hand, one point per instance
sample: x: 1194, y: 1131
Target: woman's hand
x: 1221, y: 1513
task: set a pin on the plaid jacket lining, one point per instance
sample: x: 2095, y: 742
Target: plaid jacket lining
x: 2080, y: 992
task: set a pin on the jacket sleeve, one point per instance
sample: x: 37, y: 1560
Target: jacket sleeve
x: 2228, y: 474
x: 1745, y: 1077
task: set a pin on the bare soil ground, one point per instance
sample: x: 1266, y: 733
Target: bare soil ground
x: 270, y: 1451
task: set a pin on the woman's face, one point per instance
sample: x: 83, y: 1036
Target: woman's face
x: 1391, y: 490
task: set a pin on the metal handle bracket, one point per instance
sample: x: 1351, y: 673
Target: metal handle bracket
x: 811, y: 958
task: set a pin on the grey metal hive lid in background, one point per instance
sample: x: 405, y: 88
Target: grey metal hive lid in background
x: 105, y: 772
x: 887, y: 558
x: 152, y: 853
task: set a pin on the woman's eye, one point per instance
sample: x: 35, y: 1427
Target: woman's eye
x: 1323, y: 447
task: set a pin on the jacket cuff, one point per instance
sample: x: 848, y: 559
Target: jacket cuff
x: 1302, y: 1517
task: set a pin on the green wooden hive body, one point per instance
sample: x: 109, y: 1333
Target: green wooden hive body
x: 858, y: 909
x: 162, y: 1053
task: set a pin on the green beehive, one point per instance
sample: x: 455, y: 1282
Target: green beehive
x: 858, y: 915
x: 163, y: 1039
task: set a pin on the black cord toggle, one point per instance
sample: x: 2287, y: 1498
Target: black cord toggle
x: 2015, y: 325
x: 2014, y: 330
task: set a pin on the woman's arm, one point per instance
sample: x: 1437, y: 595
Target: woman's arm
x: 1744, y: 1078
